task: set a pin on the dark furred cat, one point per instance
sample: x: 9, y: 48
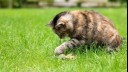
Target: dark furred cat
x: 84, y: 27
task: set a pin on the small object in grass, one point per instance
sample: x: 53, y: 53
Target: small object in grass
x: 61, y: 56
x: 69, y: 56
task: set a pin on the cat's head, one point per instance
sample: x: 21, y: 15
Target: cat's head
x: 62, y: 24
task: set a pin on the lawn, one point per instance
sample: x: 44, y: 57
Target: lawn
x: 27, y: 44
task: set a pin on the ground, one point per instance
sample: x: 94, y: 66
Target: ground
x: 27, y: 44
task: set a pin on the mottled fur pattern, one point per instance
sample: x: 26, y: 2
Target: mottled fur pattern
x: 84, y: 27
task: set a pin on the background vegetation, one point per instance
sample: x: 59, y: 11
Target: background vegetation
x: 24, y: 3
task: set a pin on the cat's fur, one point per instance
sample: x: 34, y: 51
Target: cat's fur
x: 84, y: 27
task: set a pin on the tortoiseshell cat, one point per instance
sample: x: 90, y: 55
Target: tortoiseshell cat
x: 84, y: 27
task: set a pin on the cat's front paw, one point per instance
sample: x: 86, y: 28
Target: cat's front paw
x: 58, y: 51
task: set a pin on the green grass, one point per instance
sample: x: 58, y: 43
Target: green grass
x: 27, y: 44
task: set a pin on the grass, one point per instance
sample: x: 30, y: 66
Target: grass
x: 27, y: 44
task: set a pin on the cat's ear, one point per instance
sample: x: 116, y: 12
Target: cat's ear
x: 60, y: 25
x: 53, y: 22
x: 50, y: 24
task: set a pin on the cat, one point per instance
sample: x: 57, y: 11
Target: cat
x: 83, y: 28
